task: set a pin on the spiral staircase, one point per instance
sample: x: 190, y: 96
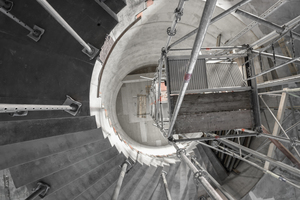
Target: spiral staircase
x: 72, y: 154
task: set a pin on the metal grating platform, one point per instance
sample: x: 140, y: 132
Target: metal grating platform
x: 206, y: 76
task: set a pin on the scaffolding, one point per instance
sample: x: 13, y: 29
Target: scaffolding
x: 249, y: 52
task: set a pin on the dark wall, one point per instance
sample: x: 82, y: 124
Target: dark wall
x: 44, y: 72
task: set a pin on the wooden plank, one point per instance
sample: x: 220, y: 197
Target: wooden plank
x: 276, y: 129
x: 215, y: 121
x: 214, y: 102
x: 257, y: 68
x: 141, y: 106
x: 282, y: 148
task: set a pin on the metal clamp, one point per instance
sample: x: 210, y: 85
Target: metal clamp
x: 93, y: 53
x: 163, y: 52
x: 36, y: 33
x: 130, y: 165
x: 178, y: 14
x: 171, y: 33
x: 293, y: 141
x: 8, y: 5
x: 41, y: 190
x: 281, y: 179
x: 180, y: 151
x: 75, y: 104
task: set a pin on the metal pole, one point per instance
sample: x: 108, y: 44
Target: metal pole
x: 214, y: 181
x: 279, y: 125
x: 272, y: 69
x: 35, y: 194
x: 251, y: 163
x: 60, y: 20
x: 273, y: 8
x: 163, y: 175
x: 280, y: 91
x: 204, y: 23
x: 269, y: 55
x: 218, y: 17
x: 120, y: 181
x: 271, y: 25
x: 291, y: 25
x: 262, y: 156
x: 217, y: 137
x: 212, y: 48
x: 295, y: 142
x: 40, y: 191
x: 171, y: 32
x: 8, y: 14
x: 293, y: 126
x: 12, y: 108
x: 198, y: 175
x: 158, y: 90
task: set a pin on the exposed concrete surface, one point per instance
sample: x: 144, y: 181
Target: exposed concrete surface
x: 141, y: 46
x: 8, y: 191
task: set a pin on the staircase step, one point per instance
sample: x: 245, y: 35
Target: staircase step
x: 170, y: 179
x: 175, y: 188
x: 132, y: 172
x: 219, y: 168
x: 184, y: 176
x: 152, y: 184
x: 192, y: 187
x: 80, y: 185
x: 53, y: 163
x: 101, y: 185
x: 208, y: 160
x: 133, y: 183
x: 61, y: 179
x: 138, y: 191
x: 19, y: 153
x: 107, y: 195
x: 160, y: 188
x: 104, y: 184
x: 115, y: 5
x: 26, y: 130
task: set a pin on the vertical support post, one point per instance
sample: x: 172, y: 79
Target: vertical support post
x: 254, y: 93
x: 163, y: 175
x: 228, y: 196
x: 70, y: 105
x: 276, y: 129
x: 35, y: 33
x: 89, y: 50
x: 197, y: 174
x: 216, y: 18
x: 204, y: 23
x: 120, y: 181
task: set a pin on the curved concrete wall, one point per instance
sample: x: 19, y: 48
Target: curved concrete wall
x: 141, y: 46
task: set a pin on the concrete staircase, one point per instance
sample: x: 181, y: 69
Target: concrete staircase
x: 82, y: 164
x: 69, y: 153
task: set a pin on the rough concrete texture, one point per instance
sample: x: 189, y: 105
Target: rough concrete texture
x: 150, y: 33
x: 8, y: 191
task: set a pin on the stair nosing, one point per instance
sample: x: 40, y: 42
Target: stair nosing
x: 82, y: 175
x: 71, y: 165
x: 57, y: 153
x: 97, y: 182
